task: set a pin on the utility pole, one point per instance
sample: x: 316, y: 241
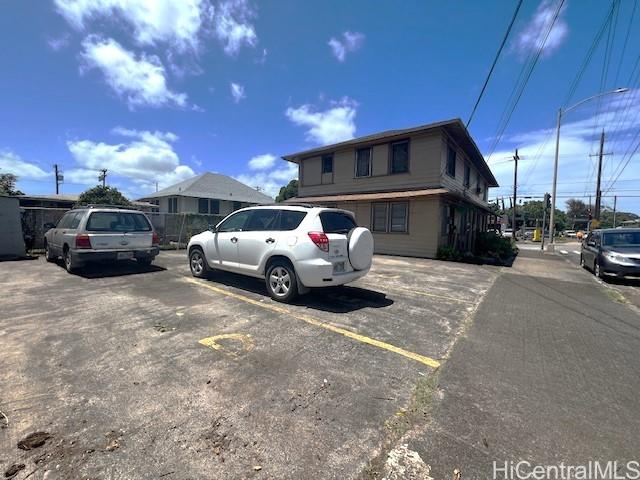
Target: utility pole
x: 59, y: 178
x: 515, y: 190
x: 103, y: 177
x: 156, y: 187
x: 598, y: 205
x: 615, y: 201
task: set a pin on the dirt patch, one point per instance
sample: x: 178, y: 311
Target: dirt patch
x: 34, y: 440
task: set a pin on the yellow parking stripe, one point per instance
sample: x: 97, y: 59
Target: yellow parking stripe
x: 318, y: 323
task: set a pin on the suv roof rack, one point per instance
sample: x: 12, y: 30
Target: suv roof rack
x: 105, y: 205
x: 282, y: 204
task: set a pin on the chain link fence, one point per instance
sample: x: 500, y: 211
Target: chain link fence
x: 174, y: 229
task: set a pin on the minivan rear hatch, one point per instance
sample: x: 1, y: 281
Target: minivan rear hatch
x: 116, y: 230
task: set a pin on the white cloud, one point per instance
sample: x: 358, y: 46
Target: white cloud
x: 81, y: 176
x: 58, y: 43
x: 141, y: 82
x: 335, y: 124
x: 177, y: 22
x: 146, y: 158
x: 351, y: 41
x: 237, y: 92
x: 270, y: 181
x: 578, y: 139
x: 12, y: 163
x: 532, y: 35
x: 233, y: 25
x: 262, y: 162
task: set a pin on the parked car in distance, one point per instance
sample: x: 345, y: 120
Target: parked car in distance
x: 612, y: 252
x: 507, y: 233
x: 569, y: 234
x: 99, y: 234
x: 292, y: 247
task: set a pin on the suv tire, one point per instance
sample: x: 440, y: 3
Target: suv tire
x: 198, y: 263
x: 281, y: 281
x: 48, y: 255
x: 69, y: 264
x: 144, y: 262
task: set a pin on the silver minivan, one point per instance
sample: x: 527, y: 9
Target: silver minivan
x: 98, y: 233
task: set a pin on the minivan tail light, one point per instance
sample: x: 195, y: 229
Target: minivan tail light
x: 320, y: 239
x: 155, y: 239
x: 83, y: 241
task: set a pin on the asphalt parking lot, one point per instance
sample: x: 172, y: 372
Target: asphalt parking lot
x: 150, y: 373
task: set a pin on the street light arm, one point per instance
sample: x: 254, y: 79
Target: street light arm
x: 617, y: 90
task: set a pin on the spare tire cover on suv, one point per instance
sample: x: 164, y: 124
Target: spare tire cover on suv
x: 360, y: 248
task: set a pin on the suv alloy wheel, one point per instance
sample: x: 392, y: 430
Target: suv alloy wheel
x: 197, y: 263
x: 281, y: 280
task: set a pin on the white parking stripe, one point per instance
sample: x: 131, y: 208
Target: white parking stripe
x: 577, y: 252
x: 564, y: 252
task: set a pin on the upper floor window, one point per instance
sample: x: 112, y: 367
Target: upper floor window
x: 486, y: 192
x: 467, y: 175
x: 173, y: 204
x: 451, y: 161
x: 363, y: 162
x: 400, y: 157
x: 327, y: 164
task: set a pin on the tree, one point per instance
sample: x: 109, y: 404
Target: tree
x: 289, y: 191
x: 100, y: 195
x: 8, y: 184
x: 606, y: 217
x: 576, y: 209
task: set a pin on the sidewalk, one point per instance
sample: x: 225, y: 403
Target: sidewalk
x: 547, y: 372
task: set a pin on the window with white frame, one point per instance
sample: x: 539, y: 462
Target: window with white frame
x: 390, y: 217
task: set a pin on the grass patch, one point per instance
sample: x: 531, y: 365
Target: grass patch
x: 615, y: 295
x: 418, y: 412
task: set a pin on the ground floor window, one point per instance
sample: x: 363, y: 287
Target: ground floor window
x: 390, y: 217
x: 206, y: 205
x: 173, y: 204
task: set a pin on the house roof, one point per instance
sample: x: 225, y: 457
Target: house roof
x: 51, y: 198
x: 454, y: 127
x: 213, y: 185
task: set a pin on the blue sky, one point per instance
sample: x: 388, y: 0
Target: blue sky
x: 157, y: 94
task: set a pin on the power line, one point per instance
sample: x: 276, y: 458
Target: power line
x: 522, y: 85
x: 495, y: 60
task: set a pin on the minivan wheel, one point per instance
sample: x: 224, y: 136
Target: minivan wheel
x: 48, y: 256
x: 198, y: 264
x: 282, y: 283
x: 597, y: 271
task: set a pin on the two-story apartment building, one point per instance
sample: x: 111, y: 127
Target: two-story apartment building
x: 416, y: 189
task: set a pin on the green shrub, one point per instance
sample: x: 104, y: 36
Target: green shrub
x: 449, y: 253
x: 490, y: 244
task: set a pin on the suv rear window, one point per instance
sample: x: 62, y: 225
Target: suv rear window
x: 337, y: 222
x: 291, y: 219
x: 117, y: 222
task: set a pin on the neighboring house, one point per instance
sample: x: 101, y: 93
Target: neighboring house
x: 209, y: 193
x: 417, y: 189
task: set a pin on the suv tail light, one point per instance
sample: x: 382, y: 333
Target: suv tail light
x: 155, y: 239
x: 83, y: 241
x: 320, y: 239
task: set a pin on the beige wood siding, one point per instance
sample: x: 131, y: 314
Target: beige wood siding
x: 312, y: 171
x: 424, y: 228
x: 457, y: 184
x: 425, y: 154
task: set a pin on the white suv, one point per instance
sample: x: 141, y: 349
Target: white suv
x: 292, y: 247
